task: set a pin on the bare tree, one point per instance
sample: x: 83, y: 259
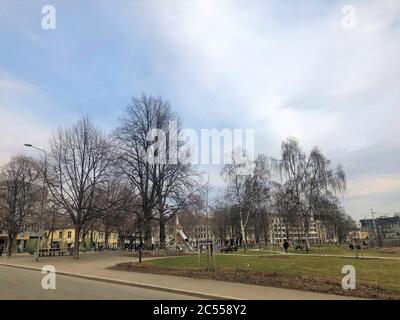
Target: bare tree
x: 53, y: 219
x: 307, y: 177
x: 141, y: 116
x: 248, y: 186
x: 116, y: 202
x: 286, y: 208
x: 20, y: 196
x: 177, y: 188
x: 129, y: 229
x: 334, y: 217
x: 151, y: 163
x: 78, y: 164
x: 222, y: 219
x: 257, y: 195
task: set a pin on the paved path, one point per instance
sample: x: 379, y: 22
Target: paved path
x: 94, y: 266
x: 26, y: 284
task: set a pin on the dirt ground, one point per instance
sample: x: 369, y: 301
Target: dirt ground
x: 270, y: 279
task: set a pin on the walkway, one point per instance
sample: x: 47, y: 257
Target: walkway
x: 94, y: 267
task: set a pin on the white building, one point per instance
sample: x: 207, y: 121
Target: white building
x: 278, y: 234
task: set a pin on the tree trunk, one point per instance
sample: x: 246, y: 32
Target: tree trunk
x: 162, y: 231
x: 266, y: 234
x: 76, y: 242
x: 287, y: 232
x: 10, y: 245
x: 243, y: 230
x: 84, y: 234
x: 121, y: 240
x: 307, y: 242
x: 91, y: 239
x: 52, y: 238
x: 106, y: 236
x: 147, y: 233
x: 337, y: 235
x: 52, y: 233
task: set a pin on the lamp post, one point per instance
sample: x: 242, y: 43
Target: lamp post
x: 36, y: 257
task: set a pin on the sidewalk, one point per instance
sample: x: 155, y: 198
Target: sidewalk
x: 94, y: 267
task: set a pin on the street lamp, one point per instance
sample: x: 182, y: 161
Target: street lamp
x: 44, y: 187
x: 32, y: 146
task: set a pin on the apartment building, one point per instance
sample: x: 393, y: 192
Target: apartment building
x: 278, y: 233
x: 382, y: 231
x: 65, y: 237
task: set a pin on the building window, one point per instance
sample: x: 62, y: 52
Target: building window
x: 69, y: 234
x: 60, y: 234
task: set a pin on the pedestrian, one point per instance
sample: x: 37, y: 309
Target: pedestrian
x: 1, y: 249
x: 286, y: 245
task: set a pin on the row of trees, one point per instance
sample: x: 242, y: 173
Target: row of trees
x: 135, y: 177
x: 297, y: 188
x: 20, y: 196
x: 93, y: 177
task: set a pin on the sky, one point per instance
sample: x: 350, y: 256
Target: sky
x: 281, y: 68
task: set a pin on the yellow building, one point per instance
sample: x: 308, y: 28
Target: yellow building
x: 64, y: 238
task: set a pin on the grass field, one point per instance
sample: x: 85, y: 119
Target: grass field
x: 330, y: 250
x: 382, y: 272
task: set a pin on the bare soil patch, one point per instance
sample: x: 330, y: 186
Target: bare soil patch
x: 270, y: 279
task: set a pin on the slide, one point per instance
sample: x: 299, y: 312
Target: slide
x: 185, y: 239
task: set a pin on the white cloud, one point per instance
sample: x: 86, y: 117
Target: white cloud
x: 19, y: 104
x: 282, y: 69
x: 370, y: 185
x: 279, y: 68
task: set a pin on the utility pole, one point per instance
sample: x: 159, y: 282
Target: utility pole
x: 374, y: 225
x: 43, y: 200
x: 208, y: 223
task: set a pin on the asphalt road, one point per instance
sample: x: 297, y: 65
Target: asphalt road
x: 20, y: 284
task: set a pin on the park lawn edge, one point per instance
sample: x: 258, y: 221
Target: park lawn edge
x: 328, y: 285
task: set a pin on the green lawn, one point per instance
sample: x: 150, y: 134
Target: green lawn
x: 385, y: 273
x: 330, y: 249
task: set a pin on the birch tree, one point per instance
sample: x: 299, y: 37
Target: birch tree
x: 308, y: 177
x: 247, y: 186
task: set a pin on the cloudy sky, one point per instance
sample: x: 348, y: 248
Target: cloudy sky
x: 282, y: 68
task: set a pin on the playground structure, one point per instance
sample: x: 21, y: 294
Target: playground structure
x: 180, y: 239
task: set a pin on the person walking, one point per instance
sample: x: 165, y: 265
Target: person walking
x: 286, y: 245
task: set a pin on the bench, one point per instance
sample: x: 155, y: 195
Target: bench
x: 51, y: 252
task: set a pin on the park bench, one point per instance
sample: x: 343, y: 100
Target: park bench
x: 51, y: 252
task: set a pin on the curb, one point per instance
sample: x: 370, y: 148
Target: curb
x: 130, y: 284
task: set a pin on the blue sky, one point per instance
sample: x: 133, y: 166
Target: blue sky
x: 279, y: 67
